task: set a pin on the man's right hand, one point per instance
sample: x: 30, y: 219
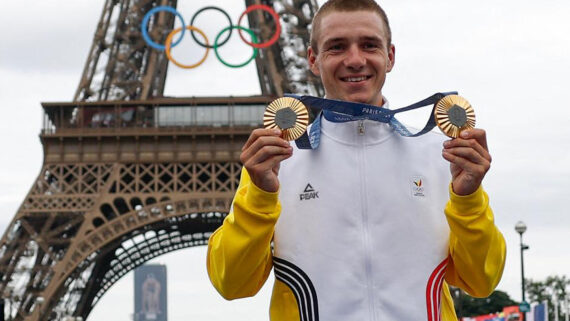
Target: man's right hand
x: 261, y: 156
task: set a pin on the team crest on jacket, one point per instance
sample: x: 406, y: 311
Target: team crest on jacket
x: 308, y: 193
x: 417, y: 186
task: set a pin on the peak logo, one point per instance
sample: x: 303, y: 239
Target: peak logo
x: 417, y: 186
x: 308, y: 193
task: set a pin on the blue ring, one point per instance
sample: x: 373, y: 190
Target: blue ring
x: 144, y: 24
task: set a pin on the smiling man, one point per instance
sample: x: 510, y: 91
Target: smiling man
x: 352, y: 55
x: 371, y: 225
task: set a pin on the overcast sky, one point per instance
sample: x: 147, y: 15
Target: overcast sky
x: 508, y: 58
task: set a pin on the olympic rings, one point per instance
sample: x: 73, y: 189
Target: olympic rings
x: 169, y: 44
x: 275, y: 18
x: 214, y: 8
x: 169, y: 41
x: 253, y: 37
x: 147, y: 18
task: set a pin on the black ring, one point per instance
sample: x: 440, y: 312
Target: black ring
x: 220, y: 10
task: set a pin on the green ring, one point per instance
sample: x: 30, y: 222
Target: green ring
x: 253, y: 37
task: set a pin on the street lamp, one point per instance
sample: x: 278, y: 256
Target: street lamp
x: 520, y: 227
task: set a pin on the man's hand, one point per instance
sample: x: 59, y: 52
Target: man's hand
x: 470, y: 160
x: 261, y: 156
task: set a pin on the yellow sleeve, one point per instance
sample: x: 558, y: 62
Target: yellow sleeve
x: 477, y: 248
x: 447, y: 308
x: 239, y: 252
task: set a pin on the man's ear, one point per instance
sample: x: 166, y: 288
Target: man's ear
x: 312, y: 58
x: 391, y: 58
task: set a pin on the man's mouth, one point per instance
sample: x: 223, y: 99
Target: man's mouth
x: 355, y: 79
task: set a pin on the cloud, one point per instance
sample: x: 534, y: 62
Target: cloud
x: 49, y: 35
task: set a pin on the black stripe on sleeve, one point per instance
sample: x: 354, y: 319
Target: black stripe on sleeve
x: 301, y: 286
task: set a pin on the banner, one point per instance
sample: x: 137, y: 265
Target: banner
x: 150, y: 293
x: 540, y: 312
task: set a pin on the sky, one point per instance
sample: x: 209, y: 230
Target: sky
x: 508, y: 58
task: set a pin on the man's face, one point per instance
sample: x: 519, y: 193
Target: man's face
x: 353, y: 57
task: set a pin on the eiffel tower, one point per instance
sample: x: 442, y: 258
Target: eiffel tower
x: 128, y: 174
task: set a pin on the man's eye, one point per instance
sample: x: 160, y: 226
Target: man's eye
x: 370, y: 46
x: 336, y: 47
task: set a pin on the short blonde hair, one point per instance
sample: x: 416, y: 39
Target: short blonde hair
x: 347, y: 6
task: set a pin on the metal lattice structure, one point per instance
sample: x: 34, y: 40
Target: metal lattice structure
x: 283, y: 67
x: 129, y: 175
x: 120, y: 65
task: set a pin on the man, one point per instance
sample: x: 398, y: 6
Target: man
x: 367, y: 226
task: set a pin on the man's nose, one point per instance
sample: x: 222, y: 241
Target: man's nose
x: 354, y: 58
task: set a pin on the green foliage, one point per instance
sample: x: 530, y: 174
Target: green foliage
x: 551, y: 288
x: 468, y: 306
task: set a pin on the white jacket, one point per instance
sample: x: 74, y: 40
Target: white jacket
x: 362, y: 233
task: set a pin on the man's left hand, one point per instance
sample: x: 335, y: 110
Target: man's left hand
x: 470, y: 160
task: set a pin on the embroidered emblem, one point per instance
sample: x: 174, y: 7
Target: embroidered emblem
x: 417, y: 186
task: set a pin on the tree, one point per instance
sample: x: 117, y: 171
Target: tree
x: 553, y: 288
x: 468, y: 306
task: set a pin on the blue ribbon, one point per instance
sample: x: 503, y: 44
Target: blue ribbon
x: 339, y: 111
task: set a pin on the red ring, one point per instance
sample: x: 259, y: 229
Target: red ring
x: 277, y: 23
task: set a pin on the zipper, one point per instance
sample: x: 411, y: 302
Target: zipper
x: 365, y: 227
x: 361, y: 127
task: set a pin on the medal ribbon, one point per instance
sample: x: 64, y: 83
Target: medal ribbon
x: 339, y: 111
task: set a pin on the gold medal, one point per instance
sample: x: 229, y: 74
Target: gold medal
x: 454, y: 114
x: 288, y: 114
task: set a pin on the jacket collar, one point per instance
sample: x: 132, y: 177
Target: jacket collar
x: 358, y: 132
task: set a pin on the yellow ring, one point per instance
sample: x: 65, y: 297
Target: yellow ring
x: 169, y: 43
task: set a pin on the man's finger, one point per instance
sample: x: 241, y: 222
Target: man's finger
x: 271, y: 162
x: 478, y: 134
x: 260, y: 132
x: 468, y: 143
x: 476, y: 169
x: 260, y: 143
x: 267, y: 152
x: 468, y: 153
